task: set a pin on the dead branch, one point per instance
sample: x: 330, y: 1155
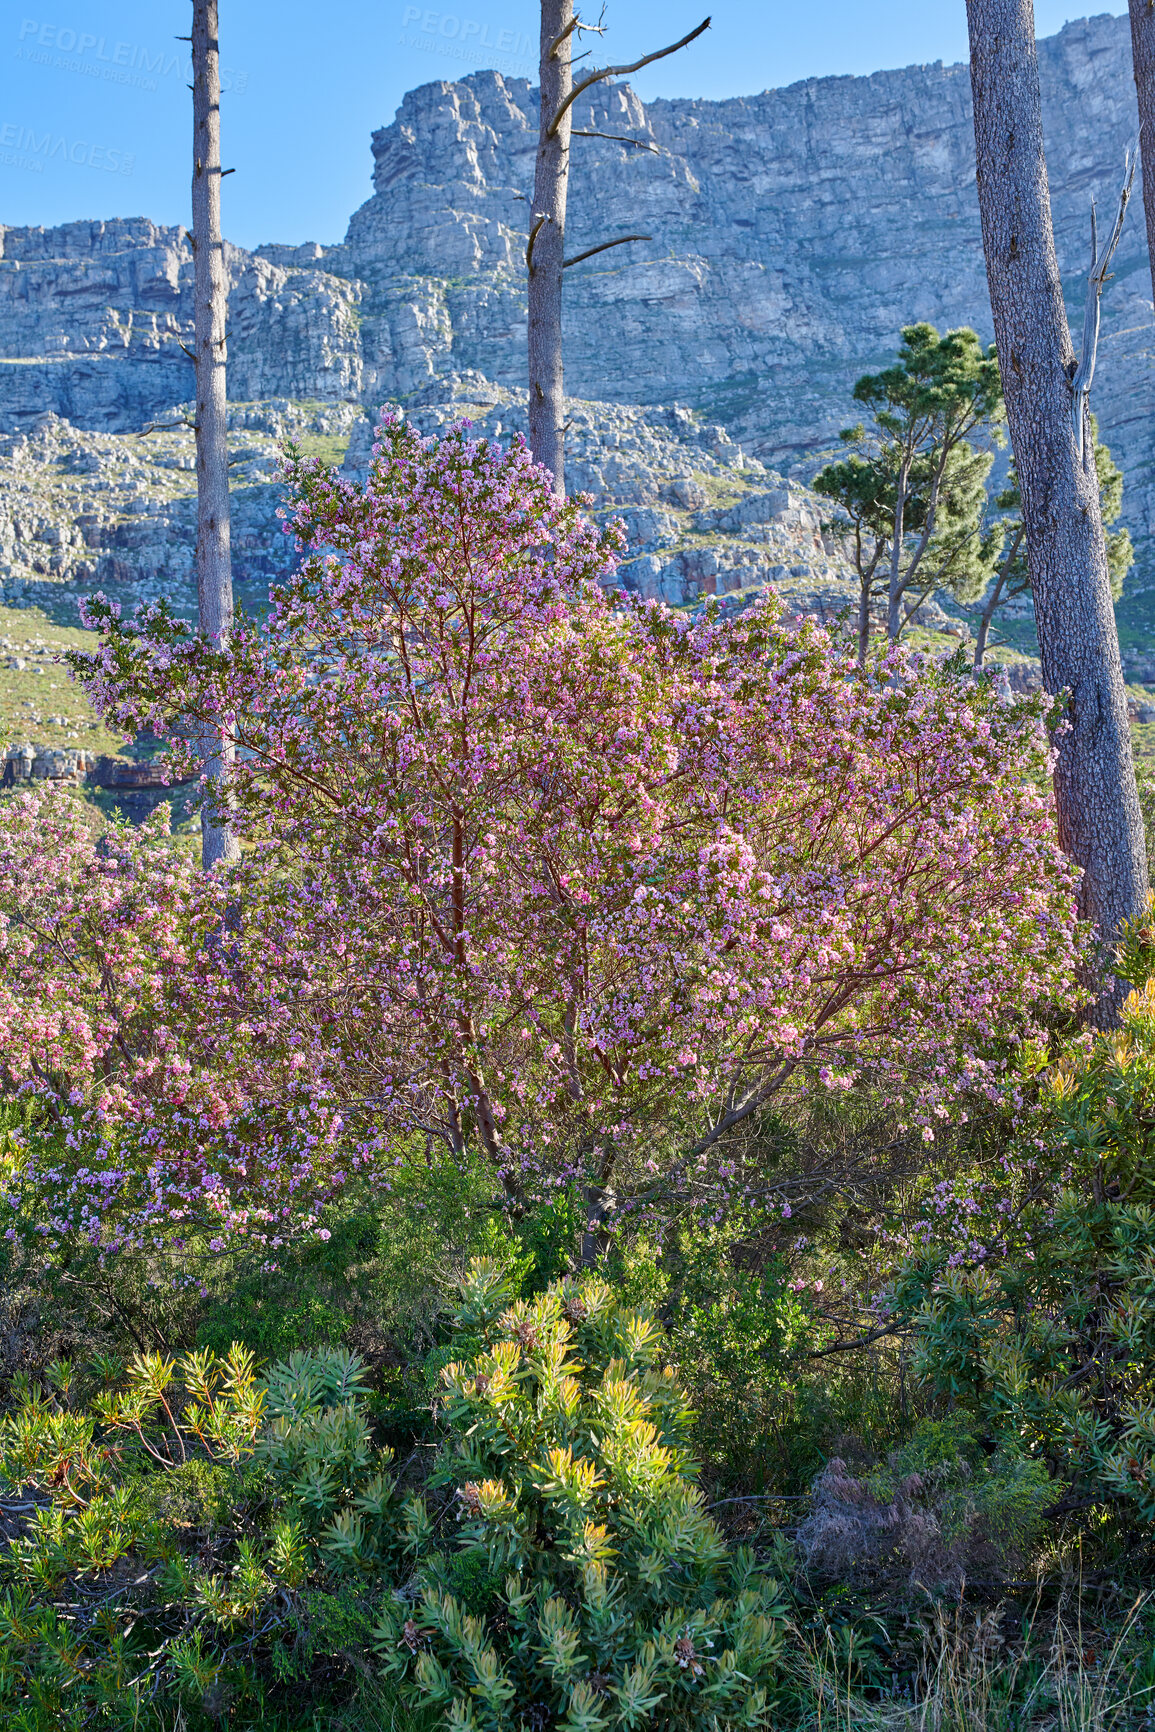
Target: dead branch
x: 562, y: 35
x: 620, y: 72
x: 575, y: 23
x: 165, y: 426
x: 614, y: 138
x: 529, y: 244
x: 866, y: 1340
x: 605, y: 245
x: 1096, y: 283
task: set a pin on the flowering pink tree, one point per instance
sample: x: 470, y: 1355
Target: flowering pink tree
x: 93, y: 939
x: 143, y: 1118
x: 576, y: 884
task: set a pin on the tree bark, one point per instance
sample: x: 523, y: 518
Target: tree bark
x: 988, y: 615
x: 1143, y: 61
x: 865, y: 590
x: 597, y: 1235
x: 545, y: 254
x: 210, y: 302
x: 894, y: 586
x: 1100, y: 825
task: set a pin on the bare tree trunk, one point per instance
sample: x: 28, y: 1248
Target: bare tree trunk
x: 1143, y: 60
x: 864, y: 594
x: 545, y: 254
x: 210, y: 301
x: 545, y: 258
x: 1100, y: 825
x: 894, y: 586
x: 988, y: 614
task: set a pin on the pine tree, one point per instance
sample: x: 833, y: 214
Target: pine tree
x: 914, y: 484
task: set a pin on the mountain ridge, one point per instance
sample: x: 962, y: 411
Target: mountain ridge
x: 795, y: 231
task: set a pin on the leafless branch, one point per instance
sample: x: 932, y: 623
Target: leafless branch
x: 164, y: 427
x: 620, y: 72
x: 562, y: 35
x: 575, y: 23
x: 605, y: 245
x: 873, y: 1335
x: 762, y: 1497
x: 1096, y: 283
x: 614, y: 138
x: 529, y: 244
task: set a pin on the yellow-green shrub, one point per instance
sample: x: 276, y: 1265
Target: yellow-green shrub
x: 619, y: 1602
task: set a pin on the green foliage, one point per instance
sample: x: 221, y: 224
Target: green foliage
x: 200, y: 1536
x: 1120, y: 551
x: 620, y: 1603
x: 1000, y: 1498
x: 1051, y: 1343
x: 939, y: 1512
x: 740, y: 1333
x: 914, y: 484
x: 309, y: 1300
x: 913, y: 487
x: 1012, y: 577
x: 1145, y: 782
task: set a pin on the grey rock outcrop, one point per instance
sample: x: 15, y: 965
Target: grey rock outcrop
x: 81, y: 510
x: 702, y: 517
x: 793, y: 233
x: 96, y: 318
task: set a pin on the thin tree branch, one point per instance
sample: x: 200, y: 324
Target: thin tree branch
x: 605, y: 245
x: 529, y: 245
x: 575, y: 23
x: 883, y: 1329
x: 166, y: 426
x: 620, y: 72
x: 615, y: 138
x: 1096, y: 283
x: 562, y: 35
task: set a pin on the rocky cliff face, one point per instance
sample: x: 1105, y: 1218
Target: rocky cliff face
x: 792, y: 234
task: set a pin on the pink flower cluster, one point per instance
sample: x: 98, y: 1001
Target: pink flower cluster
x: 146, y: 1119
x: 572, y: 882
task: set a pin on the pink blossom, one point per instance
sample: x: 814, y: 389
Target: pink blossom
x: 549, y: 876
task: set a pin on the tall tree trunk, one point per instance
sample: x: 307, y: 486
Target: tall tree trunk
x: 894, y: 584
x: 865, y: 586
x: 1143, y: 60
x: 545, y: 256
x: 1100, y: 825
x: 210, y: 302
x: 988, y: 615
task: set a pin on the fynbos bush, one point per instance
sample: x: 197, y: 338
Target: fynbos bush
x: 619, y: 1602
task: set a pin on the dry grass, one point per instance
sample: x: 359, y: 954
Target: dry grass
x: 969, y: 1681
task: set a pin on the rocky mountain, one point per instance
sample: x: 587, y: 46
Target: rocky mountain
x: 792, y: 233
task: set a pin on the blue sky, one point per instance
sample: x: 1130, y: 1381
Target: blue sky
x: 94, y: 109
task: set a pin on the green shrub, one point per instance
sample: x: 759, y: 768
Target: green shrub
x: 739, y: 1334
x: 1050, y: 1343
x: 619, y: 1602
x: 200, y: 1537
